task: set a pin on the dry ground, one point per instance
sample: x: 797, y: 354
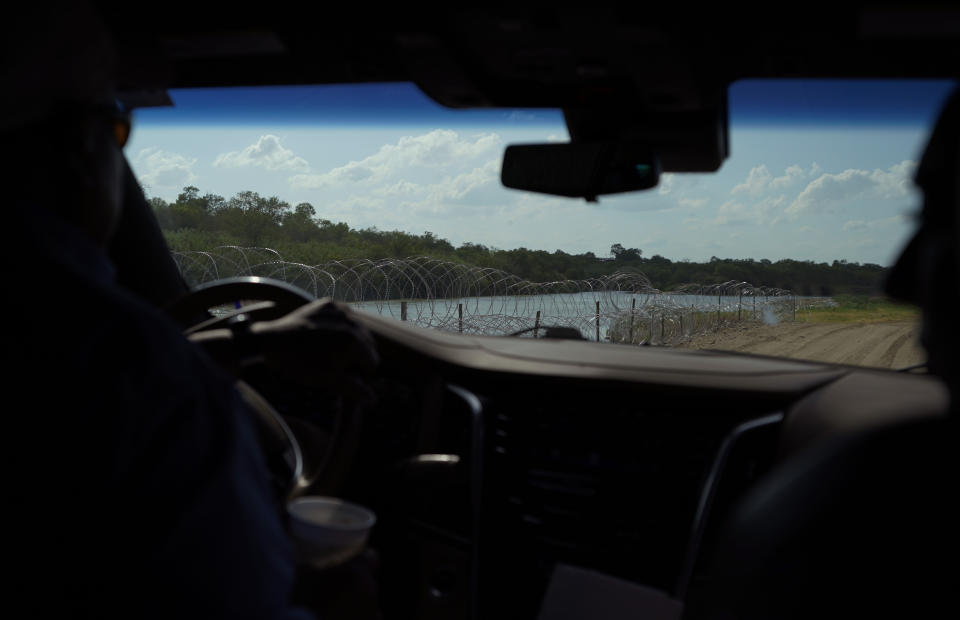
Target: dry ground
x: 892, y: 344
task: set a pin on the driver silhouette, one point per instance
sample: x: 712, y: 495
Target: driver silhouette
x: 135, y: 485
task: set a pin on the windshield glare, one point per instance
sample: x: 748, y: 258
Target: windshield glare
x: 376, y: 196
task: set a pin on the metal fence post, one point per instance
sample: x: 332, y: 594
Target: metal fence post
x: 598, y: 320
x: 718, y: 310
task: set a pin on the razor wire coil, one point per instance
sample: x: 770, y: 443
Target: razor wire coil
x: 433, y: 293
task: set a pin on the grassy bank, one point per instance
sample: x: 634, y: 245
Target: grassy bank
x: 859, y: 309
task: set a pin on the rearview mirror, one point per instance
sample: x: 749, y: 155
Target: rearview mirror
x: 580, y: 169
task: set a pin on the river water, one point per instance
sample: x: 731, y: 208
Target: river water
x: 584, y: 311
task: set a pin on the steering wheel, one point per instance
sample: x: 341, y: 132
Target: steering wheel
x: 192, y: 310
x: 301, y: 457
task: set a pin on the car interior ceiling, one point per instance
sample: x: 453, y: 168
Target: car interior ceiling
x: 566, y: 452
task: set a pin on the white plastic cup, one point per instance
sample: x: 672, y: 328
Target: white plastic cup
x: 329, y: 531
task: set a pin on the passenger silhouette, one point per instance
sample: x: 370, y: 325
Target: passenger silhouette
x: 864, y: 524
x: 926, y: 273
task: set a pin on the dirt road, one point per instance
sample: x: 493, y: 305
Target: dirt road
x: 882, y: 345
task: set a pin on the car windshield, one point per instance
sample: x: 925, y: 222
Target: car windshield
x: 376, y: 196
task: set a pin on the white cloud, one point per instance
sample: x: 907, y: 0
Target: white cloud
x: 756, y: 181
x: 267, y: 153
x: 827, y: 190
x: 164, y: 170
x: 666, y: 183
x: 454, y: 194
x: 692, y: 203
x: 896, y: 220
x: 478, y: 187
x: 732, y: 212
x: 854, y: 225
x: 520, y: 115
x: 458, y: 187
x: 768, y: 207
x: 364, y: 211
x: 760, y: 180
x: 441, y: 148
x: 760, y: 212
x: 792, y: 174
x: 400, y: 188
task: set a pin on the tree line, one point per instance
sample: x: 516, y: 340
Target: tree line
x: 202, y: 222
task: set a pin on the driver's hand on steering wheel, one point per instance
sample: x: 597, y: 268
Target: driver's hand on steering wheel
x: 317, y: 344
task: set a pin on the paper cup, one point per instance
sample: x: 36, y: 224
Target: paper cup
x: 329, y: 531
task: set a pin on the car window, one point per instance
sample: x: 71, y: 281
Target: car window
x: 374, y: 195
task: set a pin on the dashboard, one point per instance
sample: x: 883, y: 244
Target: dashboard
x: 492, y: 460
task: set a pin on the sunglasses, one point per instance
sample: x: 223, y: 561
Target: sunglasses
x: 121, y: 130
x: 116, y: 116
x: 120, y: 122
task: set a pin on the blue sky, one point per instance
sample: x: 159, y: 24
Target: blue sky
x: 819, y: 170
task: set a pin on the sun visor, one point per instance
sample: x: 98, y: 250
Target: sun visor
x: 144, y: 98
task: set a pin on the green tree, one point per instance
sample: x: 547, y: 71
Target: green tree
x: 621, y: 253
x: 299, y: 225
x: 199, y: 222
